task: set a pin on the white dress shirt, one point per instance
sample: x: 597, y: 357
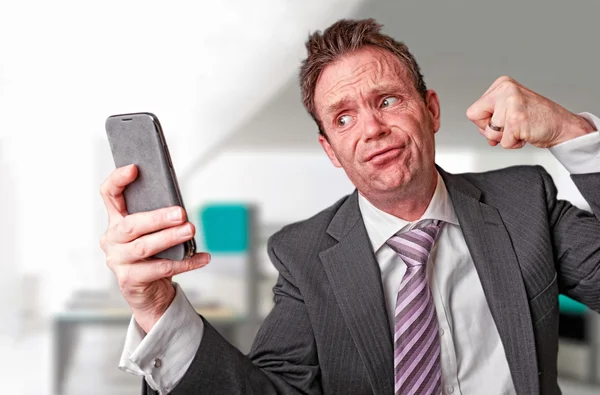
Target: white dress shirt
x: 472, y: 355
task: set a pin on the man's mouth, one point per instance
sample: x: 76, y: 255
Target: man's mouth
x: 383, y: 155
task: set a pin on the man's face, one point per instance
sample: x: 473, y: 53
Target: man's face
x: 378, y: 127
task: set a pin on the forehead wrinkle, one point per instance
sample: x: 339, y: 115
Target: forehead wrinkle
x: 383, y: 63
x: 355, y: 76
x: 383, y: 67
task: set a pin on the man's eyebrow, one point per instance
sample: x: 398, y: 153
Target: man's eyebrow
x: 338, y: 105
x: 379, y: 90
x: 388, y: 89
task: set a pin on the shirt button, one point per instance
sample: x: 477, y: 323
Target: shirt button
x: 157, y: 363
x: 449, y: 390
x: 441, y: 332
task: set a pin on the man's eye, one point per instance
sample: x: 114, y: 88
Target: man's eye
x: 344, y: 120
x: 388, y: 101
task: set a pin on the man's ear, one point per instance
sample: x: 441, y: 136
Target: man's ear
x: 329, y: 151
x: 433, y: 106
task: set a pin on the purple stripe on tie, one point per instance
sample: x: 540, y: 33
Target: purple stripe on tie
x: 400, y: 306
x: 400, y: 343
x: 419, y: 258
x: 414, y: 389
x: 408, y: 289
x: 413, y: 339
x: 420, y: 362
x: 405, y: 314
x: 409, y: 246
x: 414, y: 316
x: 435, y: 386
x: 419, y: 237
x: 410, y: 353
x: 424, y: 370
x: 416, y: 338
x: 398, y: 245
x: 419, y: 305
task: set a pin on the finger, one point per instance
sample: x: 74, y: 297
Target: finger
x: 509, y: 141
x: 491, y: 135
x: 499, y: 81
x: 112, y: 188
x: 482, y: 110
x: 150, y: 271
x: 136, y: 225
x: 498, y: 119
x: 153, y: 243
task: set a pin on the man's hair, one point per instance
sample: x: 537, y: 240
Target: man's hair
x: 341, y: 38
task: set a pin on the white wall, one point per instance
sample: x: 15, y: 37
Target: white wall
x: 202, y: 67
x: 9, y: 280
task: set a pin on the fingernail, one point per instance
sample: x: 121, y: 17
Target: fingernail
x: 185, y: 231
x: 127, y: 169
x: 174, y: 215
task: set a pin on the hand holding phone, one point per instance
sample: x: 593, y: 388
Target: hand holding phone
x: 145, y: 243
x: 139, y: 139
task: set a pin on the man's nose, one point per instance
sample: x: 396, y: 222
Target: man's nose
x: 374, y: 126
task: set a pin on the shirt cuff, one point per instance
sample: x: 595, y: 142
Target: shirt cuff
x: 164, y: 354
x: 581, y: 155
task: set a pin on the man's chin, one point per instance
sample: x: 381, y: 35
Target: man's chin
x: 391, y: 185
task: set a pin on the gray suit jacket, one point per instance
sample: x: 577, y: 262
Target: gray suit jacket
x: 328, y: 332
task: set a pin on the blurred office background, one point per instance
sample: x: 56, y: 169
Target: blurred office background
x: 222, y: 78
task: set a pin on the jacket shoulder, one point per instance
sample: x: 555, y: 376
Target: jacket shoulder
x: 525, y: 173
x: 306, y: 234
x: 517, y: 181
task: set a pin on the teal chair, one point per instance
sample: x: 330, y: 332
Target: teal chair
x: 226, y: 227
x: 571, y: 307
x: 229, y: 229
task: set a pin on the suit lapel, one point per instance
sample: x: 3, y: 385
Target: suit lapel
x: 500, y: 275
x: 356, y: 281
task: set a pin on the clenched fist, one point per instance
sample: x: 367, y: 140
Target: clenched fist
x: 523, y: 116
x: 130, y: 240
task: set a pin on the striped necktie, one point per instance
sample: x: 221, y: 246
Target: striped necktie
x: 416, y: 340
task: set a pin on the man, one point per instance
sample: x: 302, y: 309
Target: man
x: 420, y: 281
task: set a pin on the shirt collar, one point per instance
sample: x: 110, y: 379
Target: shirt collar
x: 381, y: 225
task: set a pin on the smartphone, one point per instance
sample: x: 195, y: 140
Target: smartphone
x: 138, y: 139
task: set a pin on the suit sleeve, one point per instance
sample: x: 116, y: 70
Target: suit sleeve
x: 576, y: 239
x: 283, y: 358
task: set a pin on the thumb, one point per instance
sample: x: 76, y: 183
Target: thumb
x: 482, y: 110
x: 199, y: 260
x: 147, y: 272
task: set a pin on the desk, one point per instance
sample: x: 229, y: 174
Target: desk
x: 66, y: 325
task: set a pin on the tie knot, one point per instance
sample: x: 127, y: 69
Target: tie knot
x: 415, y: 245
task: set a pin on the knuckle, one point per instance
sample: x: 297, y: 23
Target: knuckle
x: 126, y: 228
x: 509, y: 86
x: 157, y: 217
x: 103, y: 242
x: 470, y: 112
x: 166, y: 268
x: 124, y: 278
x: 189, y: 265
x: 111, y: 262
x: 514, y: 98
x: 104, y: 188
x: 139, y: 249
x: 516, y: 117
